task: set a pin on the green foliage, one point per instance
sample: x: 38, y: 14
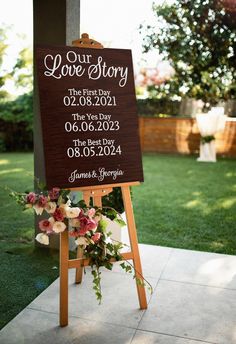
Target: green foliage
x: 97, y: 284
x: 126, y: 267
x: 102, y: 226
x: 114, y: 200
x: 16, y: 119
x: 3, y: 47
x: 199, y: 41
x: 19, y: 198
x: 120, y: 222
x: 207, y: 139
x: 2, y: 145
x: 19, y: 110
x: 16, y: 116
x: 23, y: 70
x: 110, y: 213
x: 155, y: 107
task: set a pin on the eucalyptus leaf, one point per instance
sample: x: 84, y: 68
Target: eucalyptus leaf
x: 120, y: 222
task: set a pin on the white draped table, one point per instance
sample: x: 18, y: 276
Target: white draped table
x: 209, y: 124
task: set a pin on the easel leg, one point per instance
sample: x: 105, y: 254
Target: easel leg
x: 134, y: 244
x: 64, y: 258
x: 79, y: 271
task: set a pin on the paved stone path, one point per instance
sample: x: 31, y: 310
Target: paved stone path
x: 194, y: 301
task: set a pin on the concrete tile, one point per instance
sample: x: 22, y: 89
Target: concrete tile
x: 201, y: 267
x: 35, y: 327
x: 189, y: 305
x: 192, y: 311
x: 142, y: 337
x: 119, y: 305
x: 153, y: 260
x: 124, y: 233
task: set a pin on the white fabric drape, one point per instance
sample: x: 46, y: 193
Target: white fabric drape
x: 209, y: 124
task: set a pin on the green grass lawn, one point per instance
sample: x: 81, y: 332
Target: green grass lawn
x: 183, y: 203
x: 187, y: 204
x: 25, y: 271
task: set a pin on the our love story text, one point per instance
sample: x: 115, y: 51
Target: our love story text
x: 73, y: 64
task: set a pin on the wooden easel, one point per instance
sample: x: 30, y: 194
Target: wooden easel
x: 96, y: 193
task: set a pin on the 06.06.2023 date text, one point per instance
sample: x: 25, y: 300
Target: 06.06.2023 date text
x: 92, y: 126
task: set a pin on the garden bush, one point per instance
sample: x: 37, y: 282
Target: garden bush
x: 16, y: 124
x: 158, y: 107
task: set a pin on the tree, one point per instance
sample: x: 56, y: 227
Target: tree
x: 21, y: 72
x: 16, y: 123
x: 16, y: 114
x: 23, y: 69
x: 3, y: 75
x: 199, y: 40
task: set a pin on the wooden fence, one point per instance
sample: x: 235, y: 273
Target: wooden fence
x: 181, y: 135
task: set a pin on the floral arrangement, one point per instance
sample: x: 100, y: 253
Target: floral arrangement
x: 207, y: 139
x: 85, y: 224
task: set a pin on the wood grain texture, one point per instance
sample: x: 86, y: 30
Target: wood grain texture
x: 54, y: 115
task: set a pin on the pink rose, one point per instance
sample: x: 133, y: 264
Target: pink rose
x: 54, y: 193
x: 45, y: 226
x: 82, y: 231
x: 96, y: 237
x: 42, y: 201
x: 91, y: 212
x: 73, y: 233
x: 86, y: 225
x: 58, y: 215
x: 31, y: 198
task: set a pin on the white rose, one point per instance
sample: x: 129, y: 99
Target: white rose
x: 81, y: 241
x: 42, y: 238
x: 50, y: 207
x: 71, y: 213
x: 63, y: 208
x: 68, y: 203
x: 74, y: 222
x: 38, y: 209
x: 58, y: 227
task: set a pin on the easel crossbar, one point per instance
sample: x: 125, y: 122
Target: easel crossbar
x: 80, y: 262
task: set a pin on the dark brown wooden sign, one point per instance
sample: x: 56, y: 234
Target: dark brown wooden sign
x: 88, y: 116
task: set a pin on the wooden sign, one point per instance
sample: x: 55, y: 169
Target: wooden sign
x: 88, y: 116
